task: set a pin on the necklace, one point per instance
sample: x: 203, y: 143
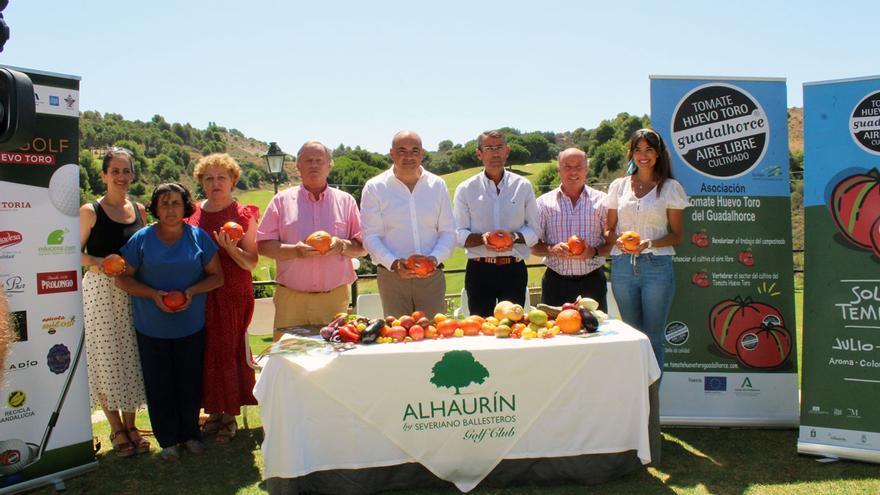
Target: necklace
x: 640, y: 186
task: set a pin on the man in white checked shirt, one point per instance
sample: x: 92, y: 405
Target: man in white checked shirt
x: 495, y: 199
x: 572, y: 209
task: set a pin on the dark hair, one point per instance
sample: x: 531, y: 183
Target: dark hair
x: 188, y: 206
x: 663, y: 167
x: 115, y: 152
x: 492, y: 134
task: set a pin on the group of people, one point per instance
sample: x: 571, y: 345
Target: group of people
x: 143, y: 347
x: 182, y: 359
x: 406, y: 211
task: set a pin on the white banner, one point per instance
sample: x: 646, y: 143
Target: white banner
x: 45, y: 426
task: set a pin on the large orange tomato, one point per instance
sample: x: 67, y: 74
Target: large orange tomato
x: 569, y: 321
x: 320, y: 241
x: 113, y: 264
x: 500, y: 239
x: 630, y: 240
x: 447, y: 327
x: 233, y: 230
x: 421, y: 265
x: 471, y: 326
x: 576, y: 245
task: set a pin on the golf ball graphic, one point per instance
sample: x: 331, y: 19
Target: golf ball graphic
x: 64, y: 189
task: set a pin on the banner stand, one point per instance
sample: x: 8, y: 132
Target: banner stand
x: 731, y: 351
x: 45, y: 415
x: 840, y: 410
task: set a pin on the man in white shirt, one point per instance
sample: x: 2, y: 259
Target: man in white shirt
x: 573, y: 208
x: 405, y: 211
x: 488, y: 202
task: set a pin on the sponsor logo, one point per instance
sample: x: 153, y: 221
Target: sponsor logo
x: 18, y: 409
x: 23, y: 365
x: 52, y: 324
x: 478, y: 416
x: 19, y: 325
x: 715, y: 384
x: 853, y: 413
x: 14, y: 205
x: 10, y: 457
x: 9, y: 238
x: 746, y: 388
x: 720, y: 130
x: 55, y: 241
x: 58, y: 359
x: 817, y: 410
x: 864, y: 124
x: 677, y: 333
x: 16, y: 398
x: 12, y: 284
x: 54, y: 282
x: 69, y: 100
x: 54, y: 100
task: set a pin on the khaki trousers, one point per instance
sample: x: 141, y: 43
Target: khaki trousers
x: 313, y: 309
x: 403, y: 296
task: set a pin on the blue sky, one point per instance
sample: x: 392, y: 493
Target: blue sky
x: 356, y: 72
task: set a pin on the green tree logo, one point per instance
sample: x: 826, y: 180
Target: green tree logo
x: 458, y: 369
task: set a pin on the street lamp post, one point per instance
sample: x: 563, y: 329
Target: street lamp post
x: 275, y: 163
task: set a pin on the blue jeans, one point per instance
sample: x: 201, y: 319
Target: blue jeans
x: 644, y: 292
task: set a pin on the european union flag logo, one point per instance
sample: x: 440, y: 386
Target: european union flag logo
x: 715, y: 384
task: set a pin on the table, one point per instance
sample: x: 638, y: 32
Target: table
x: 466, y: 411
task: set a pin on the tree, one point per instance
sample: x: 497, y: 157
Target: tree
x: 254, y: 178
x: 458, y: 369
x: 608, y: 156
x: 547, y: 179
x: 444, y: 145
x: 536, y: 143
x: 518, y: 154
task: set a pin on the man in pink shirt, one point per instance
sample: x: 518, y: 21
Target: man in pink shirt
x: 312, y: 287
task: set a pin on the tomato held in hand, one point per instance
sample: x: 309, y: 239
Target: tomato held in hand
x: 233, y: 231
x: 174, y: 299
x: 113, y: 264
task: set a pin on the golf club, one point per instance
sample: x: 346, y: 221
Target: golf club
x: 16, y: 454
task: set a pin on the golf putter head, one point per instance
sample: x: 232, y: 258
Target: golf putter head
x: 16, y: 455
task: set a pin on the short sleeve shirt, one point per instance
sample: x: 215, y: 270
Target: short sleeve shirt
x: 168, y: 268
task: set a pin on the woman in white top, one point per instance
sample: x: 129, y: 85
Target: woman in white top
x: 650, y: 202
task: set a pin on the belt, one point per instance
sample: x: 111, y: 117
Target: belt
x: 498, y: 260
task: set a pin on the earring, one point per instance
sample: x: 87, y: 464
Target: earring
x: 631, y: 167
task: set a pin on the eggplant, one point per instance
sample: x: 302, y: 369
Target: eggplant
x: 372, y: 332
x: 588, y: 320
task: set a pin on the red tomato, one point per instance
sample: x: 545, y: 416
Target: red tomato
x: 416, y: 332
x: 730, y: 318
x: 233, y: 230
x: 174, y: 299
x: 767, y: 346
x: 855, y: 206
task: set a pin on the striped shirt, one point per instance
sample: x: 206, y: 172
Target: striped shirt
x: 559, y: 219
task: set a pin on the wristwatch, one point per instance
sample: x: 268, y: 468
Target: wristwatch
x: 650, y: 244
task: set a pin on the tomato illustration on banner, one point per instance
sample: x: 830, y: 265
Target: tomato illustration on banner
x: 855, y: 207
x: 731, y: 318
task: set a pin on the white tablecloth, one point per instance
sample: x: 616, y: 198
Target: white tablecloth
x: 384, y: 405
